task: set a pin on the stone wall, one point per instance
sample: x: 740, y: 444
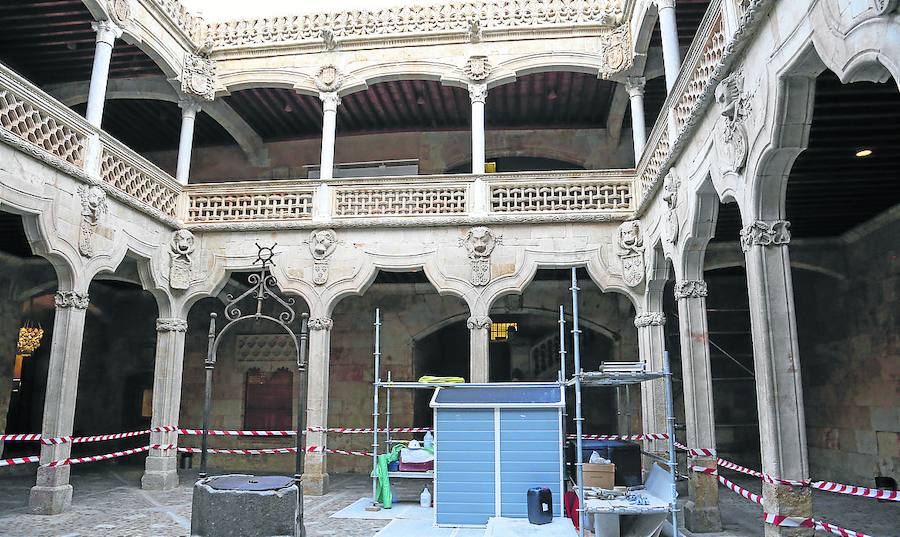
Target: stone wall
x: 436, y: 152
x: 850, y: 353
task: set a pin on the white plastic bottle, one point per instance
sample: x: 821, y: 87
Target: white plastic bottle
x: 429, y: 439
x: 425, y: 498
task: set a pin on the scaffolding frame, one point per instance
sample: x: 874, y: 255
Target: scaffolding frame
x: 582, y: 379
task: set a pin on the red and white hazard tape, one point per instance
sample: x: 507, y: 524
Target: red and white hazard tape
x: 102, y: 437
x: 19, y: 460
x: 755, y: 498
x: 357, y: 430
x: 27, y: 437
x: 837, y: 530
x: 738, y: 468
x: 236, y: 433
x: 788, y: 521
x: 269, y: 451
x: 878, y: 494
x: 95, y: 458
x: 648, y: 436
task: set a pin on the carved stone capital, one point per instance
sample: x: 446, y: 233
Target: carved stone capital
x: 690, y: 289
x: 478, y: 93
x: 634, y: 85
x: 190, y: 107
x: 321, y: 323
x: 330, y: 101
x: 649, y: 318
x: 171, y: 324
x: 198, y: 77
x: 663, y: 4
x: 760, y: 233
x: 328, y: 79
x: 478, y: 323
x: 107, y: 31
x: 477, y: 68
x: 71, y: 299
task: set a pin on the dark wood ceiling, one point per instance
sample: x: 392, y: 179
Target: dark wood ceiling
x: 830, y: 189
x: 51, y: 41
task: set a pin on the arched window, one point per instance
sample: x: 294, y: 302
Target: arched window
x: 268, y: 400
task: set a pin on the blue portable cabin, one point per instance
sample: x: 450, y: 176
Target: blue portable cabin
x: 493, y: 443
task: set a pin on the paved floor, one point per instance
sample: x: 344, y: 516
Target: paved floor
x: 108, y: 502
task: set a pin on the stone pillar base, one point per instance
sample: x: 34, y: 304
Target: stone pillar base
x: 701, y: 513
x: 50, y: 500
x: 788, y: 501
x: 315, y: 484
x: 160, y: 473
x: 702, y: 519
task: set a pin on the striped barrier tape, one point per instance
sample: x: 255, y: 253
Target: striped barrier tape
x: 837, y: 530
x: 236, y: 433
x: 704, y: 470
x: 268, y: 451
x: 95, y: 458
x: 788, y: 521
x: 103, y: 437
x: 648, y: 436
x: 878, y: 494
x: 755, y: 498
x: 19, y: 460
x: 357, y: 430
x: 27, y: 437
x: 738, y: 468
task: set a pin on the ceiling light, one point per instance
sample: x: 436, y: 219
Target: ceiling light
x: 420, y: 100
x: 551, y: 96
x: 71, y: 45
x: 863, y: 153
x: 287, y: 107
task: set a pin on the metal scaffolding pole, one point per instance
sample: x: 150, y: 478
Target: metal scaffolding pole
x: 576, y: 348
x: 377, y: 356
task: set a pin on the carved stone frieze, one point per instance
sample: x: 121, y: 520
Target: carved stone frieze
x: 198, y: 77
x: 322, y: 243
x: 170, y: 324
x: 477, y: 68
x: 93, y: 207
x: 328, y: 79
x: 760, y: 233
x: 478, y: 323
x: 71, y: 299
x: 671, y: 184
x: 321, y: 323
x: 690, y: 289
x: 631, y: 252
x: 180, y: 249
x: 479, y: 243
x: 649, y: 318
x: 732, y: 141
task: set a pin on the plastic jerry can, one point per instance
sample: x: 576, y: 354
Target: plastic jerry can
x: 540, y: 505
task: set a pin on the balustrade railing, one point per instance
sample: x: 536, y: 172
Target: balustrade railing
x: 281, y: 201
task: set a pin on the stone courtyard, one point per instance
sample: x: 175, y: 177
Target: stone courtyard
x: 109, y: 502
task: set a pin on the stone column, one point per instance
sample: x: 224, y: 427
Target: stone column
x: 315, y: 474
x: 10, y: 322
x: 160, y: 467
x: 478, y: 94
x: 479, y: 341
x: 779, y: 393
x: 651, y: 345
x: 669, y: 31
x: 635, y: 87
x: 701, y: 513
x: 189, y: 109
x: 330, y: 102
x: 107, y: 33
x: 52, y: 494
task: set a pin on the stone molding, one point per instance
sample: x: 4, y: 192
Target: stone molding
x: 649, y: 318
x: 171, y: 324
x: 321, y: 323
x: 71, y: 299
x: 691, y: 289
x: 478, y: 323
x: 761, y: 233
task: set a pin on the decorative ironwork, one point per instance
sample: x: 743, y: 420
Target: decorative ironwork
x: 261, y: 286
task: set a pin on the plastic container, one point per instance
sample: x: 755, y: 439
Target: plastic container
x: 425, y: 498
x: 540, y: 505
x: 429, y: 440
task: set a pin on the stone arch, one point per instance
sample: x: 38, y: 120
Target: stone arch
x: 703, y: 211
x: 445, y: 73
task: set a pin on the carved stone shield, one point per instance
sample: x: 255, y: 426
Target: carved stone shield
x: 633, y: 269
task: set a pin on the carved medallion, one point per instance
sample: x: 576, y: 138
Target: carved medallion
x: 477, y: 68
x: 732, y: 142
x: 328, y: 78
x: 198, y: 77
x: 181, y: 247
x: 615, y: 50
x: 322, y: 243
x: 121, y: 10
x: 93, y: 207
x: 479, y: 242
x: 671, y: 184
x: 631, y: 252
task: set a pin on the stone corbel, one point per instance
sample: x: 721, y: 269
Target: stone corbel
x: 479, y: 243
x: 93, y: 207
x: 767, y: 234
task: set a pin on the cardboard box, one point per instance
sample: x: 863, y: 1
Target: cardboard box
x: 599, y: 475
